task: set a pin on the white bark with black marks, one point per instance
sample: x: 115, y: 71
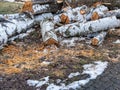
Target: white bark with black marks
x: 97, y: 40
x: 11, y: 29
x: 73, y: 14
x: 47, y: 30
x: 99, y: 10
x: 81, y: 29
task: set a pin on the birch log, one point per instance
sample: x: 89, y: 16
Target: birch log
x: 16, y: 15
x: 112, y: 13
x: 80, y: 29
x: 71, y: 15
x: 97, y: 15
x: 10, y: 16
x: 39, y: 9
x: 48, y: 35
x: 97, y: 40
x: 13, y: 28
x: 18, y: 27
x: 45, y: 16
x: 95, y: 12
x: 43, y: 1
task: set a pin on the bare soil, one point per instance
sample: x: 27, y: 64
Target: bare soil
x: 23, y: 60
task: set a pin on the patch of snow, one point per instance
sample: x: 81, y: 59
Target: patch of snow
x: 45, y: 62
x: 92, y: 69
x: 95, y: 69
x: 71, y: 41
x: 117, y: 41
x: 32, y: 82
x: 43, y: 82
x: 37, y: 83
x: 58, y: 81
x: 73, y: 75
x: 45, y: 51
x: 54, y: 87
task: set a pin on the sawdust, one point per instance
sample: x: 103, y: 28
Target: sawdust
x: 19, y: 59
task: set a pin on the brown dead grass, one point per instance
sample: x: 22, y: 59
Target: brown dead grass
x: 17, y: 59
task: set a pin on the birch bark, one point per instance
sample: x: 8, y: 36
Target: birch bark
x: 80, y: 29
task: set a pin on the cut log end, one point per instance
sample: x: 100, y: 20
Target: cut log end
x: 82, y: 12
x: 48, y: 43
x: 94, y: 41
x: 95, y: 16
x: 27, y: 7
x: 51, y: 41
x: 97, y: 4
x: 64, y: 19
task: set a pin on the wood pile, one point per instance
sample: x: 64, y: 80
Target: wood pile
x: 56, y: 21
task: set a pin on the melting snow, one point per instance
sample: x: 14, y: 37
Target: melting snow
x: 37, y: 83
x: 32, y: 82
x: 95, y: 69
x: 117, y: 41
x: 46, y: 62
x: 73, y: 75
x: 71, y: 41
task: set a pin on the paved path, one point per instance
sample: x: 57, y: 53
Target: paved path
x: 109, y: 80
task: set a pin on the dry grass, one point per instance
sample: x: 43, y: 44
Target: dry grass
x: 8, y: 7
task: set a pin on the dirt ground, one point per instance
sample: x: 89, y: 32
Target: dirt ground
x: 24, y: 59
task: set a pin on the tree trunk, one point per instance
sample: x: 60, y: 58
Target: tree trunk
x: 81, y: 29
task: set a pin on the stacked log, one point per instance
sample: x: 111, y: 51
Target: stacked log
x: 72, y: 15
x: 18, y: 27
x: 39, y: 7
x: 80, y: 29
